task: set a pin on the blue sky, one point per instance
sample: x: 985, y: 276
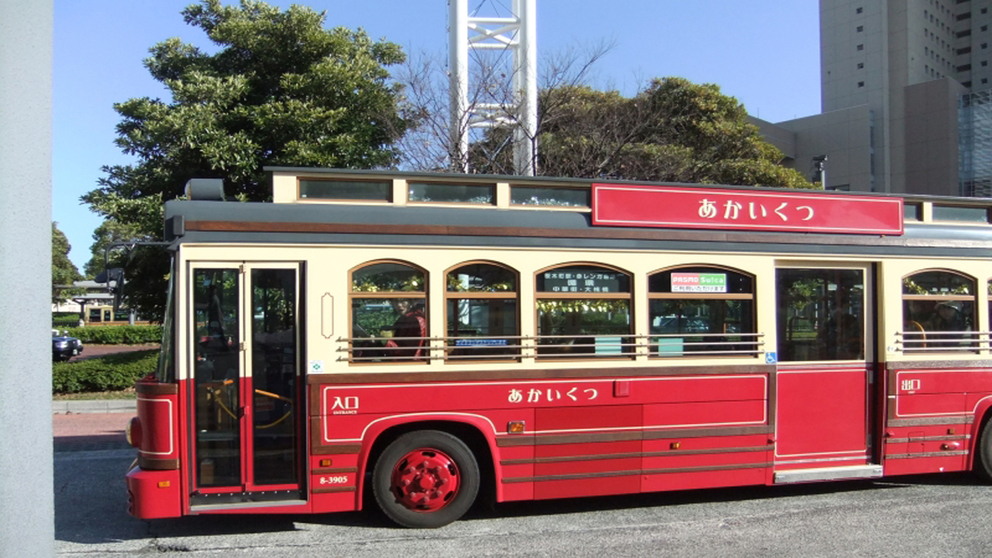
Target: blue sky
x: 765, y: 53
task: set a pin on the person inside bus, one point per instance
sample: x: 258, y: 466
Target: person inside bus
x: 948, y: 316
x: 840, y: 336
x: 409, y: 331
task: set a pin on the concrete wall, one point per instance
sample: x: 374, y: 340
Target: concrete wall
x: 844, y: 136
x: 931, y: 137
x: 27, y: 526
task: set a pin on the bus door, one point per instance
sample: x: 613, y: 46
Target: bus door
x: 824, y: 380
x: 247, y: 384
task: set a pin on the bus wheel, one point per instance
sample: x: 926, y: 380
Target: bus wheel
x: 425, y: 479
x: 983, y: 461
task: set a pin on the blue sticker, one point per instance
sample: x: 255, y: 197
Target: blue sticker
x: 771, y: 358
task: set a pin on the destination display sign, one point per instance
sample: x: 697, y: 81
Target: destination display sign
x: 722, y: 209
x: 581, y: 281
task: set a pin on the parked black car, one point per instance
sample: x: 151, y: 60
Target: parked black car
x: 65, y: 347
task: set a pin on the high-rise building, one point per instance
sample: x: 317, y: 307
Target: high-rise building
x: 906, y: 106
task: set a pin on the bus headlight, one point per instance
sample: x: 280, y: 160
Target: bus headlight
x: 133, y: 432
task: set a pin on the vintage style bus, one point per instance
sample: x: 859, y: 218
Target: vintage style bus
x: 429, y: 340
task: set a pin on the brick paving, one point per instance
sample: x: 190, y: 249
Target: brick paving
x: 90, y: 351
x: 89, y: 431
x: 81, y: 426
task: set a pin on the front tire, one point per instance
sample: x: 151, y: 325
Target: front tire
x: 426, y: 479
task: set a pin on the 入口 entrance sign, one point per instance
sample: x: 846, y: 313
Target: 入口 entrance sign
x: 720, y: 209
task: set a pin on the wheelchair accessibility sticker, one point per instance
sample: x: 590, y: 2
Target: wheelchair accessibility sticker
x: 771, y: 358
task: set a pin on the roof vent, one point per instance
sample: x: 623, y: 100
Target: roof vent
x: 205, y: 189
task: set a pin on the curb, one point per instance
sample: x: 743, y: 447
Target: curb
x: 95, y: 406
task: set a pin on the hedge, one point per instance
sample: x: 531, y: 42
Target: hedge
x: 62, y: 320
x: 107, y: 373
x: 117, y: 335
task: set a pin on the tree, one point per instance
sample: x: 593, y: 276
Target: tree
x: 280, y: 90
x: 64, y: 272
x: 427, y: 145
x: 671, y: 131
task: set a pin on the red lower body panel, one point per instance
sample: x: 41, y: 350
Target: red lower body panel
x: 153, y: 494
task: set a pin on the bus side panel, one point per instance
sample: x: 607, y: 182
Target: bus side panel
x: 931, y: 413
x: 821, y: 416
x: 570, y: 446
x: 713, y: 478
x: 588, y: 469
x: 516, y: 462
x: 334, y: 482
x: 690, y: 461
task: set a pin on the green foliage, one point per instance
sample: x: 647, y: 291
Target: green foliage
x: 107, y: 373
x: 117, y: 335
x: 372, y: 322
x: 671, y: 131
x: 63, y: 320
x: 388, y: 278
x: 64, y: 272
x: 280, y: 90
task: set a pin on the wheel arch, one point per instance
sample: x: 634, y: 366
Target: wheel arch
x: 983, y: 415
x: 476, y: 432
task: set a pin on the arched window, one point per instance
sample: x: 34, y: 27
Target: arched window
x: 938, y: 311
x: 482, y: 313
x: 583, y: 310
x: 706, y: 310
x: 389, y: 312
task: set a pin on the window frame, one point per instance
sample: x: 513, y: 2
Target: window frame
x: 482, y: 295
x: 975, y: 333
x: 388, y: 184
x: 390, y: 295
x: 869, y: 317
x: 631, y: 351
x: 543, y: 206
x: 490, y: 185
x: 752, y: 296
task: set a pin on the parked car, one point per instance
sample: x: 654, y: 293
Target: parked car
x: 65, y: 347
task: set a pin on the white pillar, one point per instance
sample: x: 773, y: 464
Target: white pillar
x: 517, y: 33
x: 27, y: 516
x: 525, y: 80
x: 458, y: 76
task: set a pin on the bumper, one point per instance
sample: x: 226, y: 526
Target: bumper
x: 66, y: 353
x: 153, y: 494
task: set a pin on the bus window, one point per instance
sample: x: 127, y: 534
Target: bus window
x: 821, y: 314
x: 938, y: 310
x: 583, y: 310
x: 703, y: 310
x: 481, y: 308
x: 389, y: 313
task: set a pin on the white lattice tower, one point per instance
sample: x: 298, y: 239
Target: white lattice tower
x: 515, y: 34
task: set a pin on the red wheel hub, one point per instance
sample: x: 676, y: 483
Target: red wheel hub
x: 425, y: 480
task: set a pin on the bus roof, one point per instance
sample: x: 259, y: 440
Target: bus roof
x: 324, y: 206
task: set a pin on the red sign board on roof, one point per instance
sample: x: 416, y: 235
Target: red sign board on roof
x: 722, y: 209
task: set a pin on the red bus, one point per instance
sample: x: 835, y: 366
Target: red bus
x: 433, y: 339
